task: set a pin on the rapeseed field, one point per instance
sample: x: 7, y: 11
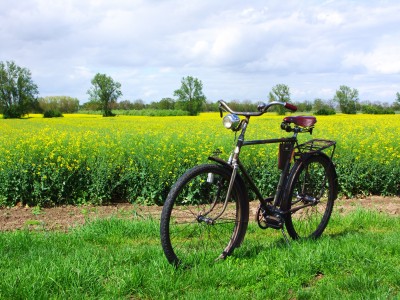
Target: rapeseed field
x: 90, y: 159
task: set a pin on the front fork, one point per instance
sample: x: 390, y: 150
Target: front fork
x: 233, y: 161
x: 210, y: 179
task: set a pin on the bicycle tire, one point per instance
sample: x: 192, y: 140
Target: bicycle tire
x: 187, y: 239
x: 312, y: 180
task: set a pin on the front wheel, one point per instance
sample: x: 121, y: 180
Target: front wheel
x: 196, y: 223
x: 312, y: 189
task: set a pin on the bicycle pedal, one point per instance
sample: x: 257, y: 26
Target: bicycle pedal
x: 273, y: 222
x: 259, y: 217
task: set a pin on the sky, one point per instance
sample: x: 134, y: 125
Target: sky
x: 238, y: 49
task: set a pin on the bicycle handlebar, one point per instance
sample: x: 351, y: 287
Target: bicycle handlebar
x: 262, y: 108
x: 291, y: 107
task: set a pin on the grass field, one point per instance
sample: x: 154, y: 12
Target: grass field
x: 357, y: 257
x: 90, y: 159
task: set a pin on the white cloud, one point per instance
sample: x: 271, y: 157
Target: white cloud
x: 238, y: 49
x: 330, y: 18
x: 384, y: 59
x: 80, y: 72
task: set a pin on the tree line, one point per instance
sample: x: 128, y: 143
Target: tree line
x: 19, y: 97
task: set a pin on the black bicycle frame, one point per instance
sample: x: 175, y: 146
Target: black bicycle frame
x: 284, y: 174
x: 235, y: 163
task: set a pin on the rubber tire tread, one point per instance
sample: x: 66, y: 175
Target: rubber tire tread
x: 292, y: 180
x: 242, y: 203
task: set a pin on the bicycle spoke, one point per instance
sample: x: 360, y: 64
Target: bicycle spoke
x: 195, y: 222
x: 312, y: 191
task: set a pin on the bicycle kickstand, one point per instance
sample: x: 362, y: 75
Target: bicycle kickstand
x: 285, y: 237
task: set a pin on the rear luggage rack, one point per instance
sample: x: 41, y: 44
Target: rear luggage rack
x: 314, y: 146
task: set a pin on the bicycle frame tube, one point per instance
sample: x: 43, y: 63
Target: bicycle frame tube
x: 284, y: 173
x: 270, y: 141
x: 235, y: 163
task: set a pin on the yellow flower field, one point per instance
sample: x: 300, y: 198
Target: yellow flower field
x: 88, y: 158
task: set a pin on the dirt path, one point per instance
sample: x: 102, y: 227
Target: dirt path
x: 64, y: 217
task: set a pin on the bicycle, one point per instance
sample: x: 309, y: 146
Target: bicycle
x: 206, y: 213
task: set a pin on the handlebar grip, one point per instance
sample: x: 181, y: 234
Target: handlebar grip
x: 291, y: 107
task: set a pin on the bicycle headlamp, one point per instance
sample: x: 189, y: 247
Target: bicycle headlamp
x: 231, y: 121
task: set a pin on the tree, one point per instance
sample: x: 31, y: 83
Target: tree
x: 347, y: 99
x: 212, y: 106
x: 396, y: 104
x: 318, y: 104
x: 281, y: 93
x: 104, y: 91
x: 125, y: 105
x: 322, y: 107
x: 138, y: 104
x: 63, y: 104
x: 190, y: 95
x: 166, y: 103
x: 18, y: 93
x: 376, y: 108
x: 91, y: 105
x: 245, y: 105
x: 305, y: 106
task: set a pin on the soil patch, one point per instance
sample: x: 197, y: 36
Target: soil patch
x: 63, y: 218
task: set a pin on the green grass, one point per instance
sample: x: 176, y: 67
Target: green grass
x: 358, y: 257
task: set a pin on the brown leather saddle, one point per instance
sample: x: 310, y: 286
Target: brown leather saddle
x: 302, y: 121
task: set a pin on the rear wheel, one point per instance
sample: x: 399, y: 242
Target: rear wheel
x: 312, y: 191
x: 195, y: 223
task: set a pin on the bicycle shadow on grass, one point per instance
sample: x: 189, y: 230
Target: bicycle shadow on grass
x: 254, y: 248
x: 345, y: 232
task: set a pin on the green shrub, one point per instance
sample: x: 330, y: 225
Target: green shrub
x: 377, y: 110
x: 326, y: 111
x: 12, y: 112
x: 52, y: 114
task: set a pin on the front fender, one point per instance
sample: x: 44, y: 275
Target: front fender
x: 239, y: 178
x: 220, y: 161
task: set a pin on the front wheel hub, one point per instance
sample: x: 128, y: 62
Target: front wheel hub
x: 206, y: 220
